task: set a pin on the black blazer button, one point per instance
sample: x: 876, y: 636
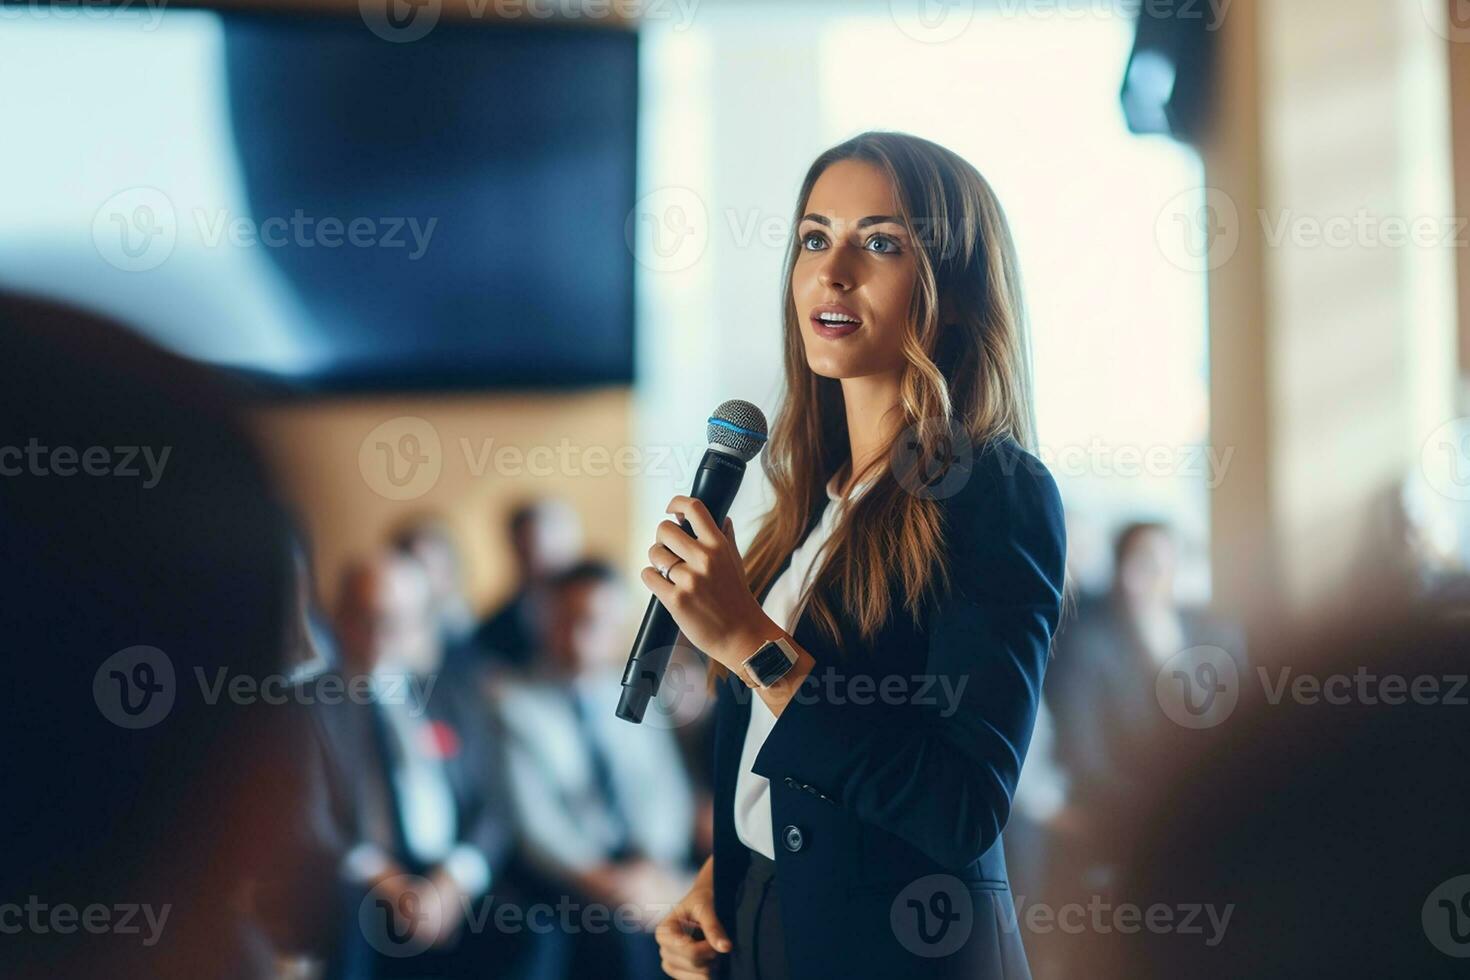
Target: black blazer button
x: 791, y: 782
x: 791, y: 837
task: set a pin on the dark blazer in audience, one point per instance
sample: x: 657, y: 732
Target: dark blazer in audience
x: 413, y: 786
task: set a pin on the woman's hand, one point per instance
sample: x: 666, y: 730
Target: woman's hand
x: 706, y: 591
x: 684, y: 955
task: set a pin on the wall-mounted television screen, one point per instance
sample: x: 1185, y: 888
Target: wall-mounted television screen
x: 301, y: 200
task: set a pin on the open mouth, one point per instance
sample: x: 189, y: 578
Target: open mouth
x: 834, y: 322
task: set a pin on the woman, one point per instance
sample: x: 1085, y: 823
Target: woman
x: 876, y: 701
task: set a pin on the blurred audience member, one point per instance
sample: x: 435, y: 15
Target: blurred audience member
x: 414, y: 785
x: 147, y: 588
x: 604, y: 807
x: 685, y: 704
x: 1316, y: 834
x: 1040, y: 797
x: 1101, y: 690
x: 545, y: 538
x: 431, y: 542
x: 1411, y: 549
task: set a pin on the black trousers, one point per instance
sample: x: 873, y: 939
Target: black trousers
x: 759, y: 952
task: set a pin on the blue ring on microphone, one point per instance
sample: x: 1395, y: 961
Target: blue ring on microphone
x: 735, y: 428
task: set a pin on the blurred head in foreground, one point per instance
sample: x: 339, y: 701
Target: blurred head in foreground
x: 1319, y: 830
x: 147, y: 587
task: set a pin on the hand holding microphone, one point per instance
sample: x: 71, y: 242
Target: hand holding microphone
x: 701, y: 589
x: 704, y: 588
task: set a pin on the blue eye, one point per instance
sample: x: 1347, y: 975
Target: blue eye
x: 885, y: 240
x: 810, y: 236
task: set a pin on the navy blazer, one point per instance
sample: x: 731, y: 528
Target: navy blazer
x: 892, y: 769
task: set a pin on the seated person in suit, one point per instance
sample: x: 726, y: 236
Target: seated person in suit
x: 604, y: 808
x: 414, y: 785
x: 545, y: 538
x: 431, y: 541
x: 1101, y: 689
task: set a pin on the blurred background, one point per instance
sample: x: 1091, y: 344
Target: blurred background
x: 475, y: 273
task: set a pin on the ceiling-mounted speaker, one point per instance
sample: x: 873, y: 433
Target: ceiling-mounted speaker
x: 1168, y: 81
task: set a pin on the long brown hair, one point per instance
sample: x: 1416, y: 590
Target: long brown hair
x: 967, y: 377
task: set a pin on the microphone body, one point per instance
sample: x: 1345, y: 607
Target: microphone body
x: 715, y: 484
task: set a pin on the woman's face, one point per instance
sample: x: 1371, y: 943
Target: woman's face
x: 854, y: 262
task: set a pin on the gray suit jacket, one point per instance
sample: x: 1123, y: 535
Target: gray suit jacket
x: 563, y: 819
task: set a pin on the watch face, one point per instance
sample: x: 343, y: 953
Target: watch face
x: 768, y: 664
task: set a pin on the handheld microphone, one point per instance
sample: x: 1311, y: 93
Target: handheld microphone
x: 736, y: 433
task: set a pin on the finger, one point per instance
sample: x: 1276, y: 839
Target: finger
x: 695, y: 956
x: 678, y: 960
x: 714, y: 932
x: 695, y: 959
x: 677, y: 540
x: 680, y: 952
x: 701, y: 954
x: 684, y: 973
x: 662, y: 588
x: 660, y: 554
x: 693, y: 510
x: 689, y: 952
x: 668, y: 928
x: 730, y: 534
x: 668, y: 932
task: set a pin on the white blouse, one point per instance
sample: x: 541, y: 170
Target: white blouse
x: 783, y: 604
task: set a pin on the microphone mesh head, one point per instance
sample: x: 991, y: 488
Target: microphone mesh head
x: 738, y: 426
